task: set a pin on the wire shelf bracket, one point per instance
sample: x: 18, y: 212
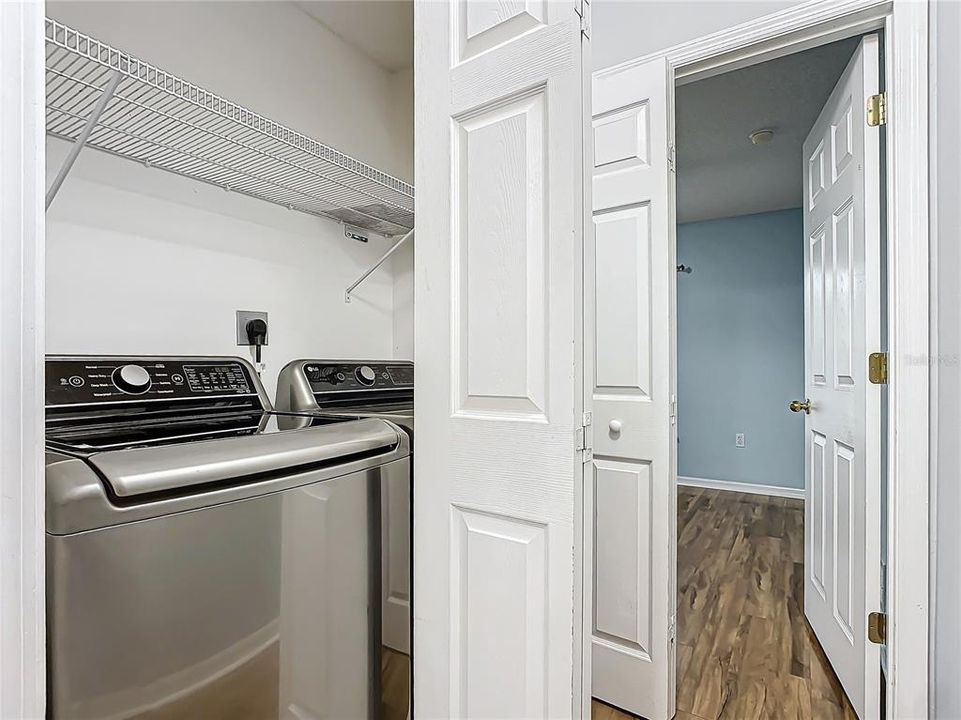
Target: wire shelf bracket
x: 82, y: 138
x: 100, y: 97
x: 393, y: 248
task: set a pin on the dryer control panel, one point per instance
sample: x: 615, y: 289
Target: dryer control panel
x: 312, y: 385
x: 324, y: 376
x: 86, y: 380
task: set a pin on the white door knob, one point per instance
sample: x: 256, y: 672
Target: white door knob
x: 615, y: 426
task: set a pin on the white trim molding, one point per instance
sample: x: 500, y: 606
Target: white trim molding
x: 789, y: 31
x: 909, y: 323
x: 22, y: 639
x: 741, y: 487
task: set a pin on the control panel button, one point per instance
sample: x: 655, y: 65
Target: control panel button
x: 365, y: 375
x: 216, y: 378
x: 76, y: 381
x: 131, y: 379
x: 401, y: 374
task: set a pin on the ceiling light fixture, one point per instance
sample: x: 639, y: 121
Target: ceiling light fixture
x: 761, y: 137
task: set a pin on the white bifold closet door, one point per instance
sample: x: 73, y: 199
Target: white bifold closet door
x: 842, y: 325
x: 630, y: 280
x: 500, y: 180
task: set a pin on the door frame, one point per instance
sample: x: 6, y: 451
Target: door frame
x: 905, y: 24
x: 22, y: 137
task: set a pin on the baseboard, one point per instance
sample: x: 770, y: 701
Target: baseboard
x: 731, y: 486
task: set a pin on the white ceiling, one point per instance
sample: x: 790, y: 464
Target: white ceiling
x: 720, y: 173
x: 381, y: 29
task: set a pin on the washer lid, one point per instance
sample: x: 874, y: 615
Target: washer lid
x: 171, y: 469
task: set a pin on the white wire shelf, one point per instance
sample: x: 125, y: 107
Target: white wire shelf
x: 162, y: 121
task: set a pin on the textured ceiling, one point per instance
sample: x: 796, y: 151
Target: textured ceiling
x: 720, y: 173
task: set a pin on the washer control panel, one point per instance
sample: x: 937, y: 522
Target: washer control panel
x: 73, y: 381
x: 341, y: 376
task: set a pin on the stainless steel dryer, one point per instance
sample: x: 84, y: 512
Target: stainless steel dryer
x: 349, y: 388
x: 202, y: 561
x: 355, y: 389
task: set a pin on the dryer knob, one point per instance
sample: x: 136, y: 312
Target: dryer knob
x: 131, y: 379
x: 365, y: 375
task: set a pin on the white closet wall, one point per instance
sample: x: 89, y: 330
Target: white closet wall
x: 402, y: 125
x: 403, y: 259
x: 946, y: 628
x: 403, y: 271
x: 142, y: 261
x: 271, y: 57
x: 623, y: 30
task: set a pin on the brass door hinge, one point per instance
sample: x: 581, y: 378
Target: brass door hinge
x: 877, y: 110
x: 878, y: 368
x: 878, y: 628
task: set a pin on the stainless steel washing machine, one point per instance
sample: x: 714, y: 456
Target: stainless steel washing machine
x: 365, y: 389
x: 203, y: 561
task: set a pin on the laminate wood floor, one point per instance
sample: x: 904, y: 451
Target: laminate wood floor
x: 745, y: 650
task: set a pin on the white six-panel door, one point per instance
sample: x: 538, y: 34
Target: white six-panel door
x: 842, y: 322
x: 499, y: 171
x: 630, y: 274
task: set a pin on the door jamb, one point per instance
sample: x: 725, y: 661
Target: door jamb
x: 22, y: 639
x: 906, y: 77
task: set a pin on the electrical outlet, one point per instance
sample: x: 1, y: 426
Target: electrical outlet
x: 739, y: 440
x: 245, y: 316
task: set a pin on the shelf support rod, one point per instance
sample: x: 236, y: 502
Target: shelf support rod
x: 84, y: 135
x: 393, y: 249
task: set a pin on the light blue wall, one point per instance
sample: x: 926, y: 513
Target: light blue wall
x: 740, y: 325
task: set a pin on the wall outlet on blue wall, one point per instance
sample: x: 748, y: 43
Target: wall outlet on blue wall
x: 739, y: 440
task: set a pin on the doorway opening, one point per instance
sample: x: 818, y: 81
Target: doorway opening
x: 776, y: 254
x: 779, y: 259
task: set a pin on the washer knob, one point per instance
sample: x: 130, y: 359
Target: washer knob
x: 365, y: 375
x: 131, y: 379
